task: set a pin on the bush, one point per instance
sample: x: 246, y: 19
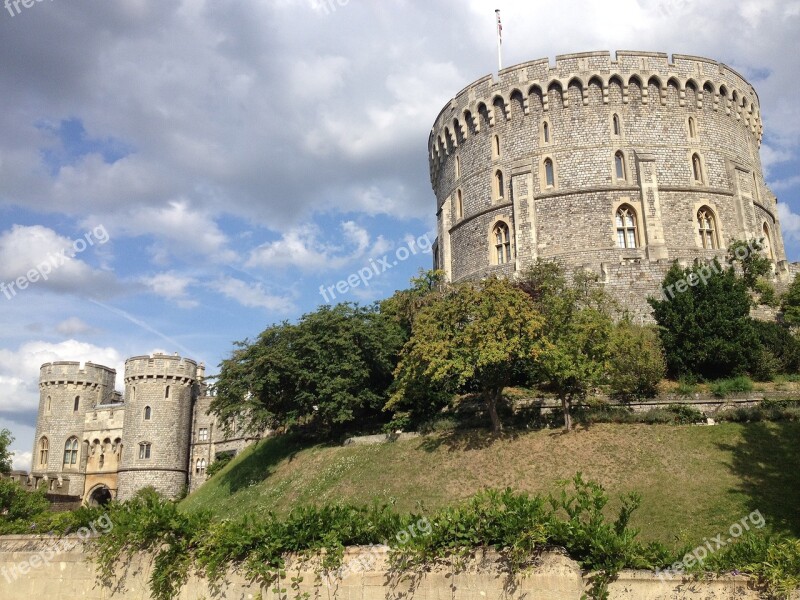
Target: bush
x: 725, y: 387
x: 636, y: 362
x: 18, y: 504
x: 780, y: 349
x: 219, y: 463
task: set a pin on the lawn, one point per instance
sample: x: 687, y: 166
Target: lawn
x: 695, y: 481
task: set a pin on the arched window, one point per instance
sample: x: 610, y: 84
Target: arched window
x: 200, y: 466
x: 44, y: 450
x: 144, y: 450
x: 499, y: 185
x: 549, y: 173
x: 502, y: 244
x: 626, y: 227
x: 496, y: 146
x: 458, y: 167
x: 101, y: 461
x: 697, y: 168
x: 459, y: 205
x: 616, y: 126
x: 768, y: 243
x: 48, y: 405
x: 76, y: 405
x: 166, y: 392
x: 692, y: 128
x: 546, y: 132
x: 619, y: 166
x: 707, y: 227
x: 147, y: 413
x: 71, y: 452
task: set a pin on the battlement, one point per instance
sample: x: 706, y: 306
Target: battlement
x: 68, y: 372
x: 160, y: 366
x: 645, y: 77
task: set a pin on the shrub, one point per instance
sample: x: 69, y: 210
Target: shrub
x: 636, y: 361
x: 725, y: 387
x: 779, y: 347
x: 219, y: 463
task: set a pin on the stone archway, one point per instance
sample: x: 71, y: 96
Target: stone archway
x: 99, y: 496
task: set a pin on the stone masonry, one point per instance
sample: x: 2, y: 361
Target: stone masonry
x: 556, y: 154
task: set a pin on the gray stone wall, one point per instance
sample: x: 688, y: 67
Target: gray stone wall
x: 499, y: 126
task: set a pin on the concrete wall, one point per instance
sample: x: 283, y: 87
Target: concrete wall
x: 365, y: 576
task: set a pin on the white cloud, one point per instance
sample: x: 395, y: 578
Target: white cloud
x: 47, y: 260
x: 172, y: 286
x: 252, y: 295
x: 74, y: 326
x: 21, y: 461
x: 19, y: 369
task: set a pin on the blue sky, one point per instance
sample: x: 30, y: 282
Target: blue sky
x: 228, y: 158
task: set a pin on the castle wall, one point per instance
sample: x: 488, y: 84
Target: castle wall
x: 666, y: 113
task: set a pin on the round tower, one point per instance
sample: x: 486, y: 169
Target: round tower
x: 159, y: 394
x: 67, y: 390
x: 620, y: 165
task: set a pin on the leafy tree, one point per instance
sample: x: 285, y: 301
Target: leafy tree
x: 704, y: 322
x: 578, y: 330
x: 791, y: 304
x: 5, y: 453
x: 636, y: 361
x: 754, y: 266
x: 18, y: 504
x: 779, y: 350
x: 331, y: 369
x: 404, y: 305
x: 473, y: 335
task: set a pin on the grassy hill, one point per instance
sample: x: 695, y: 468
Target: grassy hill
x: 695, y: 481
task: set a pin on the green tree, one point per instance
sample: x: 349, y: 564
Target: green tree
x: 704, y: 322
x: 329, y: 370
x: 791, y: 304
x: 754, y: 267
x: 578, y: 326
x: 473, y: 335
x: 5, y: 453
x: 403, y: 305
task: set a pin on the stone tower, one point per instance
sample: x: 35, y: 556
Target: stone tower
x: 67, y: 392
x: 619, y: 165
x: 159, y: 394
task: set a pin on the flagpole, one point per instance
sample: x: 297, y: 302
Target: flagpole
x: 499, y: 42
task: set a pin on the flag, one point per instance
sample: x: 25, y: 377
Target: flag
x: 499, y: 26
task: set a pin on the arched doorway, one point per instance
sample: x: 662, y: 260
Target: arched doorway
x: 99, y: 496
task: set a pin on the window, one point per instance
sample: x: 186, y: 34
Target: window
x: 615, y: 125
x: 502, y: 244
x: 626, y: 227
x: 71, y: 452
x: 44, y: 450
x: 767, y: 241
x: 101, y: 461
x: 619, y: 166
x: 48, y: 404
x: 76, y: 405
x: 200, y: 466
x: 549, y: 173
x: 697, y: 168
x: 692, y: 128
x: 459, y: 205
x: 499, y: 185
x: 496, y: 146
x: 458, y: 167
x: 147, y: 413
x: 166, y: 392
x: 202, y: 435
x: 546, y: 132
x: 144, y: 450
x: 707, y: 226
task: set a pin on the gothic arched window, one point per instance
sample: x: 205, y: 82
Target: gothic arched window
x: 626, y: 227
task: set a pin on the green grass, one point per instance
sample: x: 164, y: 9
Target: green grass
x: 695, y: 481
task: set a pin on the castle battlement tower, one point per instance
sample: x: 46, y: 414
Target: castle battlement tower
x: 67, y: 391
x: 619, y: 165
x: 160, y: 391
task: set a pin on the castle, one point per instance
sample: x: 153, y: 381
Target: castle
x: 620, y: 166
x: 95, y: 444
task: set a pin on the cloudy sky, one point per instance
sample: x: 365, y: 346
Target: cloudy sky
x: 186, y: 173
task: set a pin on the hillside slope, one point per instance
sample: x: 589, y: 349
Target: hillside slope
x: 695, y: 481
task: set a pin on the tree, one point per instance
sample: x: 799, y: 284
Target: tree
x: 403, y: 305
x: 473, y: 335
x: 791, y: 304
x: 331, y: 369
x: 575, y: 354
x: 704, y: 322
x: 754, y: 268
x: 5, y: 453
x: 636, y: 361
